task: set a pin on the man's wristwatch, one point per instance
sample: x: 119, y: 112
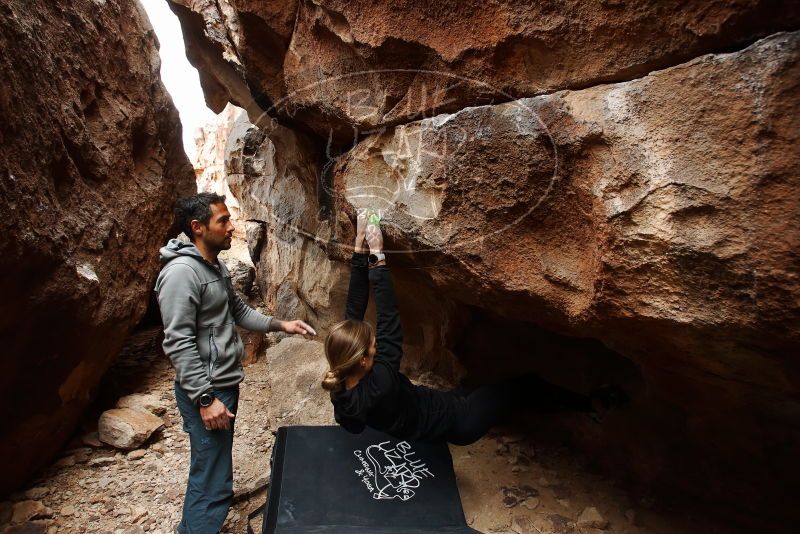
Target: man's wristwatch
x: 206, y: 399
x: 375, y: 258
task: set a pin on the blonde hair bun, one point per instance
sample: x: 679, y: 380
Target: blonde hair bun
x: 330, y: 382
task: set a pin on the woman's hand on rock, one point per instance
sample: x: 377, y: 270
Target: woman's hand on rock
x: 362, y: 220
x: 374, y: 238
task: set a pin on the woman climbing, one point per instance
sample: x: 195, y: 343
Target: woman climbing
x: 368, y: 389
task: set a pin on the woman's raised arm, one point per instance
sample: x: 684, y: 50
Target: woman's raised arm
x: 389, y: 335
x: 358, y: 291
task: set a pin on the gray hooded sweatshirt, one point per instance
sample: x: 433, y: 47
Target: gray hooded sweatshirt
x: 200, y: 310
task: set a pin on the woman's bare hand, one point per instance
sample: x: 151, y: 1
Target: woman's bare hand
x: 362, y: 220
x: 374, y: 238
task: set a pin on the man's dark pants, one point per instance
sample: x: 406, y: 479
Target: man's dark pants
x: 209, y: 492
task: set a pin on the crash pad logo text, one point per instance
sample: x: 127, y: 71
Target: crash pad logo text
x: 391, y: 472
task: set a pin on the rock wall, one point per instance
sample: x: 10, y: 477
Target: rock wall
x: 632, y: 222
x: 273, y: 173
x: 211, y: 141
x: 91, y: 162
x: 332, y: 66
x: 656, y: 216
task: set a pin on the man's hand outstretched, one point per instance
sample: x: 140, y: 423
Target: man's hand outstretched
x: 298, y: 327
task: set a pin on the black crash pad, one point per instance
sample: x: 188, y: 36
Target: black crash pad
x: 326, y: 480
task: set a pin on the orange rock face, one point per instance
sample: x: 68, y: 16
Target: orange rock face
x: 656, y: 215
x: 334, y: 65
x: 619, y: 172
x: 90, y: 165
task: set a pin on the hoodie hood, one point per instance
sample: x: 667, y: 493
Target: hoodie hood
x: 176, y: 248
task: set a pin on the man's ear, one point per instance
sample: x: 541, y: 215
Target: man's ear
x: 197, y: 226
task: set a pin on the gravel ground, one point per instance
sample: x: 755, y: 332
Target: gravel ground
x: 508, y: 483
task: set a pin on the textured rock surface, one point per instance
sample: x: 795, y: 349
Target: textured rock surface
x: 209, y: 161
x: 654, y: 215
x: 127, y: 428
x: 370, y: 55
x: 90, y: 164
x: 296, y: 367
x: 273, y: 173
x: 302, y: 267
x: 143, y: 402
x: 612, y: 202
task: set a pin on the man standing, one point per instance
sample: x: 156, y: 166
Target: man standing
x: 200, y: 310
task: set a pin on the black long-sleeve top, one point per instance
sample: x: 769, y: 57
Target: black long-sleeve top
x: 385, y: 399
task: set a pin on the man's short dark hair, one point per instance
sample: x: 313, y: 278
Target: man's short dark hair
x: 196, y: 207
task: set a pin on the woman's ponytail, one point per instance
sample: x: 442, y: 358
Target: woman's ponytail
x: 331, y: 382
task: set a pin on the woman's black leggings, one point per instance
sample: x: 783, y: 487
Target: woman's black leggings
x: 478, y: 411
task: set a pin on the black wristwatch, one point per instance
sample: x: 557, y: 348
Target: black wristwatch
x: 375, y: 258
x: 206, y: 399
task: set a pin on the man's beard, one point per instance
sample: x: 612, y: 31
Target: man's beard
x: 219, y: 247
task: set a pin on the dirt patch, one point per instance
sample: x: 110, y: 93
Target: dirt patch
x: 508, y: 483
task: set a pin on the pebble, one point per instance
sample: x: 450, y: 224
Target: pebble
x: 27, y: 510
x: 523, y: 525
x: 137, y: 454
x: 511, y: 438
x: 122, y: 510
x: 102, y: 461
x: 514, y: 495
x: 137, y: 514
x: 560, y: 491
x: 67, y: 510
x: 36, y: 494
x: 67, y: 461
x: 92, y: 439
x: 591, y: 518
x: 560, y: 523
